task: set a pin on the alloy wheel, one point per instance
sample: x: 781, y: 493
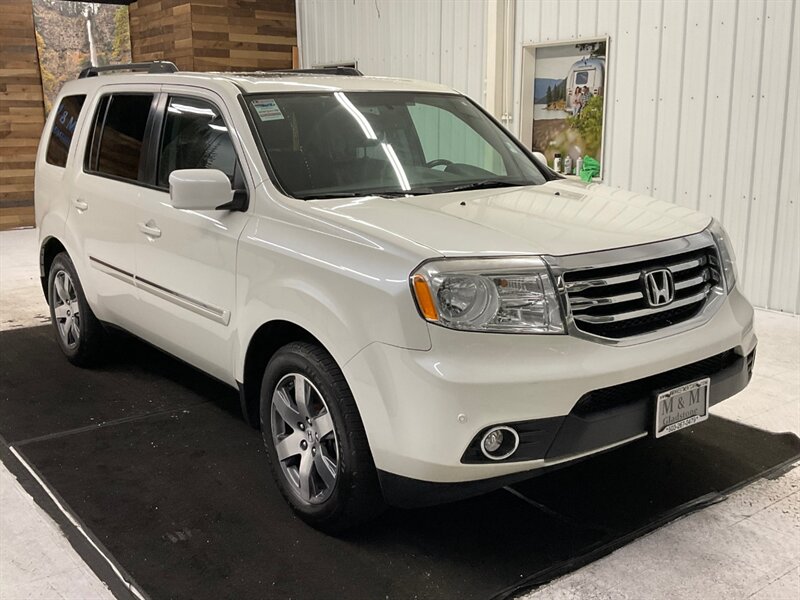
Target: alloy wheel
x: 66, y: 310
x: 304, y: 438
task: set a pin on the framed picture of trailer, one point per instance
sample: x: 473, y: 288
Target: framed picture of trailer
x: 563, y: 99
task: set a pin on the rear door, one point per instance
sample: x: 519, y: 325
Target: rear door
x: 186, y: 259
x: 103, y: 196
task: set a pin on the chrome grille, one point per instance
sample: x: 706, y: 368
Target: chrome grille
x: 611, y: 301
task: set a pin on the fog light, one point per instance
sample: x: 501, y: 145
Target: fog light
x: 493, y: 440
x: 499, y: 443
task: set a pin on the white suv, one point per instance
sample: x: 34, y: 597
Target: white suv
x: 413, y: 308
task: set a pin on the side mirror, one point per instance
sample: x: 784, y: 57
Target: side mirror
x: 541, y: 158
x: 199, y: 189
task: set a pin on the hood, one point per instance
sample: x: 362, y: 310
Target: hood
x: 557, y: 218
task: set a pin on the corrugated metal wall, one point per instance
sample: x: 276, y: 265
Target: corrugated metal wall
x: 703, y: 111
x: 434, y: 40
x: 702, y: 106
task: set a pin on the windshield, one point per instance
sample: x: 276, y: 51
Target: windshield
x: 341, y: 144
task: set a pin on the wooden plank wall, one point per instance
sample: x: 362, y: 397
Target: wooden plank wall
x: 199, y: 35
x: 21, y: 113
x: 215, y: 35
x: 162, y: 30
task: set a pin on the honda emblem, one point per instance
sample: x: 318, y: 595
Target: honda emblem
x: 659, y: 288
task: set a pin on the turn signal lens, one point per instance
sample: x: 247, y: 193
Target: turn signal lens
x: 424, y: 298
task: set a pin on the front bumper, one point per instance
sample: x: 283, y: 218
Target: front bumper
x: 422, y: 410
x: 583, y: 431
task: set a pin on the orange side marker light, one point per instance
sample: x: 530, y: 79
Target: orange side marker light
x: 424, y: 298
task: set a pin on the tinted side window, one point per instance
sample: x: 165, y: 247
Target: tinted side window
x: 195, y: 137
x: 118, y: 135
x: 63, y: 128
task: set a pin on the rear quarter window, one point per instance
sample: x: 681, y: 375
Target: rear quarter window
x: 64, y: 123
x: 115, y: 145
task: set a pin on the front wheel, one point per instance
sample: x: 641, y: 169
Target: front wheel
x: 78, y: 332
x: 315, y: 440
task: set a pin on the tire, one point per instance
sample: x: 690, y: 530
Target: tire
x: 317, y: 449
x: 79, y: 334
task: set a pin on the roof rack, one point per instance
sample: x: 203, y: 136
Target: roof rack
x: 157, y: 66
x: 350, y: 71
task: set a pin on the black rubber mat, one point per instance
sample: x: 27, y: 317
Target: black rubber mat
x: 175, y: 486
x: 41, y: 393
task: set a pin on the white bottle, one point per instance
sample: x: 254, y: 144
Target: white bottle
x: 557, y: 163
x: 578, y: 166
x: 568, y: 165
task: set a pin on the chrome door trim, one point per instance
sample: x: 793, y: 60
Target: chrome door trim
x: 219, y: 315
x: 108, y: 269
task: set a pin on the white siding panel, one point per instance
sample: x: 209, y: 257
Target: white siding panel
x: 785, y: 253
x: 618, y: 157
x: 587, y: 18
x: 742, y: 135
x: 549, y: 20
x: 670, y: 91
x: 451, y: 28
x: 693, y: 103
x: 567, y: 19
x: 436, y: 40
x: 719, y: 97
x: 646, y: 107
x: 476, y: 49
x: 702, y: 98
x: 608, y: 25
x: 766, y: 158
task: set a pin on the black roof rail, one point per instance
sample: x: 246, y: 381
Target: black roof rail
x: 157, y: 66
x: 351, y: 71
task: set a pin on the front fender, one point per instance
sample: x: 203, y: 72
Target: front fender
x: 347, y: 294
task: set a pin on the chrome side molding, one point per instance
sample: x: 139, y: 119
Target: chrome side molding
x: 112, y: 270
x: 219, y: 315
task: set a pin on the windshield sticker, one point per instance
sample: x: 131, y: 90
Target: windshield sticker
x: 267, y: 110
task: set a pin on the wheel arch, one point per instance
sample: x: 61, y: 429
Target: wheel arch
x: 265, y: 341
x: 50, y: 248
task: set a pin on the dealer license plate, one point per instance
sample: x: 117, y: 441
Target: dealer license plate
x: 682, y: 407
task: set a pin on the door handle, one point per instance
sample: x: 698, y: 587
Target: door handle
x: 81, y: 205
x: 150, y: 229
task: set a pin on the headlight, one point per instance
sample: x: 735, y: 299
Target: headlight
x: 726, y: 255
x: 508, y: 295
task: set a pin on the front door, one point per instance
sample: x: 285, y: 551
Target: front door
x: 186, y: 259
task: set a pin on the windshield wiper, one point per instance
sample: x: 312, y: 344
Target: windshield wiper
x: 484, y: 184
x: 331, y: 195
x: 404, y: 193
x: 389, y: 194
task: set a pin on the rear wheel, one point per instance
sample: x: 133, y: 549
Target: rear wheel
x: 78, y: 332
x: 315, y: 440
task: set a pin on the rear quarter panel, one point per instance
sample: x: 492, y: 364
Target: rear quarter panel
x: 52, y: 183
x: 49, y: 193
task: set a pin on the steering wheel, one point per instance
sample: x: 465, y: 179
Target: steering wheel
x: 438, y: 163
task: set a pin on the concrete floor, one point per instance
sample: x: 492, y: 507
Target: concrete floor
x: 36, y: 560
x: 745, y: 547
